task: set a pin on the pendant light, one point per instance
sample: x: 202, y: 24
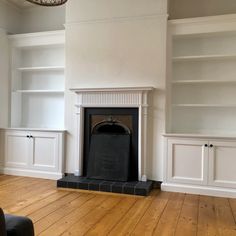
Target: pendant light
x: 48, y: 3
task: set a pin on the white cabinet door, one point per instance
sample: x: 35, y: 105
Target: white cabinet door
x: 222, y: 164
x: 45, y: 149
x: 187, y: 161
x: 17, y: 149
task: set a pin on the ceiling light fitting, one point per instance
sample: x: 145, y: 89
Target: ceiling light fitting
x: 48, y: 3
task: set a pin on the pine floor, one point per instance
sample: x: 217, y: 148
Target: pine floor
x: 61, y: 212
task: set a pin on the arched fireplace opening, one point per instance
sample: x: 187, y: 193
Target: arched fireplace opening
x: 111, y: 144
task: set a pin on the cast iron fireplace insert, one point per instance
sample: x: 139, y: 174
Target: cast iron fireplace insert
x: 109, y: 152
x: 97, y: 122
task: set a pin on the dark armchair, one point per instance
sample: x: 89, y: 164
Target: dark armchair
x: 11, y: 225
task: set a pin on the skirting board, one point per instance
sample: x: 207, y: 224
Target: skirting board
x: 202, y: 190
x: 31, y: 173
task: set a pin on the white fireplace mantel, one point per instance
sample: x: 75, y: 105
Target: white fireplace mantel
x: 133, y: 97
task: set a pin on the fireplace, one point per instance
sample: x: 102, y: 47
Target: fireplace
x: 126, y: 111
x: 111, y: 143
x: 125, y: 97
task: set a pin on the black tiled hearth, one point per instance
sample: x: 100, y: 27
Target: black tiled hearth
x: 132, y: 187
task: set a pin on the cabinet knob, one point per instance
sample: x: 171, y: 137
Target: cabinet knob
x: 31, y: 136
x: 206, y: 145
x: 27, y: 136
x: 211, y: 145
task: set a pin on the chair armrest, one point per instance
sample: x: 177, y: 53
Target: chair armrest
x: 3, y: 231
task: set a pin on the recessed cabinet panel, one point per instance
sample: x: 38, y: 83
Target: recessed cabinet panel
x: 222, y: 160
x: 17, y: 149
x: 45, y: 152
x: 187, y: 161
x: 187, y: 156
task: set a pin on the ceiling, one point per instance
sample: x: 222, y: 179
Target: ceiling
x: 21, y: 3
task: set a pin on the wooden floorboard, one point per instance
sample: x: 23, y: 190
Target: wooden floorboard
x: 170, y: 217
x: 187, y: 223
x: 57, y: 212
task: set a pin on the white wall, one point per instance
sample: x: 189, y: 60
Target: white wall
x: 36, y: 19
x: 179, y: 9
x: 10, y: 17
x: 3, y: 79
x: 30, y: 19
x: 117, y: 43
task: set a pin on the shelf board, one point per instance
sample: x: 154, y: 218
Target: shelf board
x: 205, y: 105
x: 39, y: 91
x: 41, y: 68
x: 204, y: 57
x: 203, y: 81
x: 47, y: 129
x: 206, y: 134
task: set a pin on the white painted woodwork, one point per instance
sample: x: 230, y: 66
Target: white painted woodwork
x: 199, y: 189
x: 45, y: 151
x: 192, y: 167
x: 33, y: 153
x: 133, y: 97
x: 2, y: 147
x: 202, y: 109
x: 39, y: 39
x: 37, y: 80
x: 187, y: 161
x: 17, y: 149
x: 222, y: 164
x: 202, y: 79
x: 203, y: 25
x: 4, y: 82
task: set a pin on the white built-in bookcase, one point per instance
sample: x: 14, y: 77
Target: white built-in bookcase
x: 37, y: 80
x: 202, y: 82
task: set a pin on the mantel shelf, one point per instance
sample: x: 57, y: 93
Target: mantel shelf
x: 113, y: 90
x: 41, y: 68
x: 204, y: 57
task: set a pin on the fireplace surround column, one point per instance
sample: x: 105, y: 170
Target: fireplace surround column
x: 124, y: 97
